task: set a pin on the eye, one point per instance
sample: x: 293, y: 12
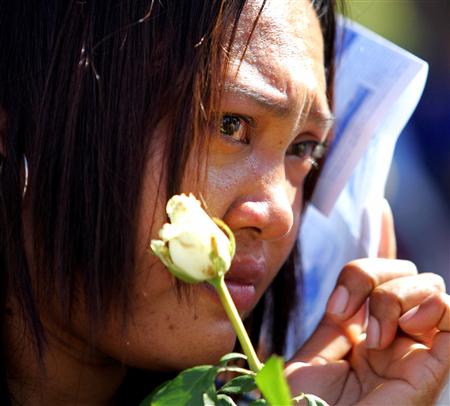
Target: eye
x: 308, y: 150
x: 233, y: 127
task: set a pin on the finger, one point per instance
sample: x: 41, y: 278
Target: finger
x: 426, y: 369
x: 325, y: 381
x: 412, y: 371
x: 388, y: 244
x: 328, y: 343
x: 440, y: 350
x: 391, y: 299
x: 433, y: 313
x: 332, y: 341
x: 358, y: 279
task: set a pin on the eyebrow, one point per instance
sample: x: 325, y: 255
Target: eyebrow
x: 268, y: 103
x: 324, y: 119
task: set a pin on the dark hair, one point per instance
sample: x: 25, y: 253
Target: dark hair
x: 83, y: 83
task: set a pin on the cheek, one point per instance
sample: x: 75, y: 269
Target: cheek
x: 277, y: 252
x: 166, y: 330
x: 280, y: 249
x: 296, y: 174
x: 224, y: 184
x: 297, y: 205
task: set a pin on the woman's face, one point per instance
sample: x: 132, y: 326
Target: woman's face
x: 274, y: 109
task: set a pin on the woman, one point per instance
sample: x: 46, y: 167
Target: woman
x: 112, y: 107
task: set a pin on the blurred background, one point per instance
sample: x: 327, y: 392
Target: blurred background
x: 418, y: 188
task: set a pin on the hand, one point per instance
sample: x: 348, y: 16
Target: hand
x: 400, y: 357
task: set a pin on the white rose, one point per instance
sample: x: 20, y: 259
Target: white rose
x: 192, y: 245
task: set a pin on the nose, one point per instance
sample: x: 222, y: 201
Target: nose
x: 266, y: 208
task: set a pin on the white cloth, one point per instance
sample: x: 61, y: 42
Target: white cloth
x: 377, y: 88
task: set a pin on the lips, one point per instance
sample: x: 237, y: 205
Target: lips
x: 247, y: 270
x: 242, y: 280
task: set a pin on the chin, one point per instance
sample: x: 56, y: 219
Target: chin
x: 207, y: 350
x: 181, y: 349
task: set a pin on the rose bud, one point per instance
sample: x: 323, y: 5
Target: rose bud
x: 193, y: 246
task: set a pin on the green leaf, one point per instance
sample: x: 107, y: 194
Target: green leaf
x: 148, y: 399
x: 214, y: 399
x: 272, y: 383
x: 187, y: 389
x: 222, y: 225
x: 258, y: 402
x: 238, y: 385
x: 238, y: 370
x: 209, y: 399
x: 231, y: 356
x: 218, y: 263
x: 224, y: 400
x: 313, y: 400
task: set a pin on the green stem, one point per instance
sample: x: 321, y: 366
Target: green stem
x: 232, y: 313
x: 240, y: 371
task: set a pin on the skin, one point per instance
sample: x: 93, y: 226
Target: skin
x: 255, y: 185
x: 401, y: 357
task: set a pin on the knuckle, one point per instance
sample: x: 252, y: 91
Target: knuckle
x: 358, y: 275
x: 384, y: 302
x: 436, y: 280
x: 409, y: 266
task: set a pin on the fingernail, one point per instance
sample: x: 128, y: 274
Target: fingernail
x: 373, y: 333
x: 338, y: 301
x: 408, y: 315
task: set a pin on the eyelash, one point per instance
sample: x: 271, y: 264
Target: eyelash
x: 234, y: 123
x: 307, y: 150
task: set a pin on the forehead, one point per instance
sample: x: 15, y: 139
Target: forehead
x: 284, y: 57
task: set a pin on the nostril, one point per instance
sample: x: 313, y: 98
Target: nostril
x: 272, y: 219
x: 248, y: 214
x: 282, y: 219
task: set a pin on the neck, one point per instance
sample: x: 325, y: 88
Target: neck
x: 69, y: 373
